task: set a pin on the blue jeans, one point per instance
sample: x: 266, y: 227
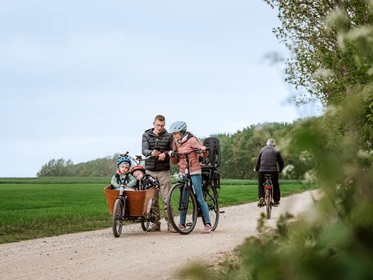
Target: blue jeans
x: 197, y: 184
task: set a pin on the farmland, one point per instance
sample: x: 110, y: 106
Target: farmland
x: 38, y: 207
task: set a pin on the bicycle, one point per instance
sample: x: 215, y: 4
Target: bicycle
x: 268, y: 199
x: 182, y: 200
x: 141, y: 202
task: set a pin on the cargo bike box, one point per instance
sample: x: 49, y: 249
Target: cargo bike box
x: 131, y: 206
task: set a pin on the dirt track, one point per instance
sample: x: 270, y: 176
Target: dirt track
x: 136, y: 254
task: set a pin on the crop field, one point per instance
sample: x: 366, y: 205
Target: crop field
x: 39, y: 207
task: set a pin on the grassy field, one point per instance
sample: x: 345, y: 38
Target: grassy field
x: 39, y: 207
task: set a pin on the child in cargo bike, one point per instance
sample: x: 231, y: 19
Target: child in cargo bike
x: 145, y: 181
x: 123, y: 176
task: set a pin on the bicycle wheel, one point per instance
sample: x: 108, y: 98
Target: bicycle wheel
x: 179, y: 204
x: 118, y: 216
x: 145, y: 220
x: 211, y: 198
x: 268, y: 204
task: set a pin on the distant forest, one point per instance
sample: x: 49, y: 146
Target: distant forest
x: 239, y: 152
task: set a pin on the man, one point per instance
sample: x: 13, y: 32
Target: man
x: 269, y: 162
x: 156, y: 143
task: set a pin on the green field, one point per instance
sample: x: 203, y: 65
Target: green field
x: 38, y: 207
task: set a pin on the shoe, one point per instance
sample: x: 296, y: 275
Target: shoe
x: 261, y: 202
x: 276, y: 204
x: 207, y: 229
x: 180, y: 227
x: 154, y: 227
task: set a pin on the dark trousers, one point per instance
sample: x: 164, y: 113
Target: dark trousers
x: 276, y: 185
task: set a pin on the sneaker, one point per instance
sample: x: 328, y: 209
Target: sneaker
x: 180, y: 227
x: 207, y: 229
x: 276, y: 204
x: 154, y: 227
x: 261, y: 202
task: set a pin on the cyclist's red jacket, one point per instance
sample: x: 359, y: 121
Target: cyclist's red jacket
x: 187, y: 146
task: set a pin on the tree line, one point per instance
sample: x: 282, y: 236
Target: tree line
x: 239, y: 152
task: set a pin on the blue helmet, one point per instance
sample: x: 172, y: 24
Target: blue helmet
x: 123, y: 159
x: 178, y: 126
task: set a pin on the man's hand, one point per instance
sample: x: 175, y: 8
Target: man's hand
x: 162, y: 156
x: 155, y: 153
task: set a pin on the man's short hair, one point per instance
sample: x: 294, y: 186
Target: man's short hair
x: 271, y: 142
x: 161, y: 118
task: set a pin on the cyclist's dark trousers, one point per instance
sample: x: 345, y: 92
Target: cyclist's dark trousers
x: 276, y: 185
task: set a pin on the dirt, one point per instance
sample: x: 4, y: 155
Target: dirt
x: 137, y: 254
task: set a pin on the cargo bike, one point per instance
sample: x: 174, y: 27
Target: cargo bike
x: 129, y: 205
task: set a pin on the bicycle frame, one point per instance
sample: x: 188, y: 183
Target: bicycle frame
x: 183, y: 205
x: 182, y: 196
x: 188, y: 185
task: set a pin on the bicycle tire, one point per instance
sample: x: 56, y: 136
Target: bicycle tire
x: 213, y: 206
x: 146, y: 220
x: 173, y: 210
x: 118, y: 216
x: 268, y: 205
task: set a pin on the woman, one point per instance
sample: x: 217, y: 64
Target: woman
x: 184, y: 142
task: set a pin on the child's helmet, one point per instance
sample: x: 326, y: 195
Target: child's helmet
x: 178, y: 126
x: 124, y: 159
x: 137, y: 167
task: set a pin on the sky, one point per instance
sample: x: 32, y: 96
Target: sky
x: 82, y: 80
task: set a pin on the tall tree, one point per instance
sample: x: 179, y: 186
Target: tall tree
x: 318, y: 65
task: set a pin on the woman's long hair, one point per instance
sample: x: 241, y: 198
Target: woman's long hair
x: 174, y: 145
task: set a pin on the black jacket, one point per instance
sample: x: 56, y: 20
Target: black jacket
x: 268, y: 159
x: 163, y: 143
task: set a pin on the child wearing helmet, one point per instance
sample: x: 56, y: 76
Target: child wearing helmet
x: 184, y: 142
x: 123, y: 177
x: 146, y: 181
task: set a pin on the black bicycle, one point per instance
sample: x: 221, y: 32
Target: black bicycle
x: 182, y: 201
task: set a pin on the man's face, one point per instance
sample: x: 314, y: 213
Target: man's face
x: 158, y: 126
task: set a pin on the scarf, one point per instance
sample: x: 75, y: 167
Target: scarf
x: 183, y: 139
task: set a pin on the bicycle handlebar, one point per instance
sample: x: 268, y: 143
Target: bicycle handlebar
x: 195, y: 150
x: 138, y: 158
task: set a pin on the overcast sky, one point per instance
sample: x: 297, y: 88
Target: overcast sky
x: 82, y: 80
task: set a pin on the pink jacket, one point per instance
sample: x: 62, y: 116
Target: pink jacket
x: 187, y: 146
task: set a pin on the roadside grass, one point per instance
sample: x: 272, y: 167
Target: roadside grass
x: 40, y: 207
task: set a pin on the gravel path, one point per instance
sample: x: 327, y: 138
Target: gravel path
x: 136, y: 254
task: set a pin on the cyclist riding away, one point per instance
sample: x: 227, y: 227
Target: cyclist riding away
x: 269, y: 162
